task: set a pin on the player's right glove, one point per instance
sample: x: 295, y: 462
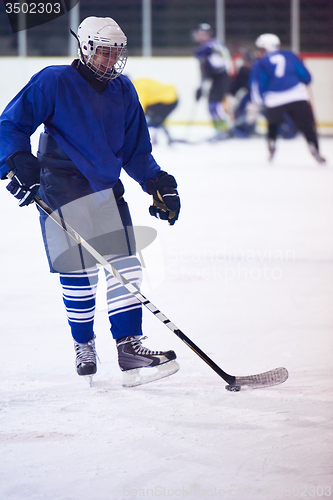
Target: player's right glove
x: 198, y: 94
x: 166, y: 202
x: 25, y: 181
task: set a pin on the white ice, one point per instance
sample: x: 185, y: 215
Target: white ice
x: 247, y: 274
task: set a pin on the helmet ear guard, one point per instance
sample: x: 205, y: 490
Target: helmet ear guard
x: 105, y: 34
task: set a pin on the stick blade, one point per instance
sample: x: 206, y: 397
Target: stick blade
x: 266, y: 379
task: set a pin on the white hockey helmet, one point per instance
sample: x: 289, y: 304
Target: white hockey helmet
x: 204, y: 27
x: 102, y: 47
x: 268, y: 42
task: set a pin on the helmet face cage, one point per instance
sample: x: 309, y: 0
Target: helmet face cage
x: 107, y: 62
x: 102, y: 47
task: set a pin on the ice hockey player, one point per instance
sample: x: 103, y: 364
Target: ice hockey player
x: 278, y: 81
x: 94, y: 128
x: 214, y: 60
x: 158, y: 100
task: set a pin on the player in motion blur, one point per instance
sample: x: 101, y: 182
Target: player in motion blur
x: 214, y: 60
x: 158, y: 100
x: 94, y: 128
x: 278, y: 81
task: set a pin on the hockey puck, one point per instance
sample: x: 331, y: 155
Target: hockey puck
x: 233, y: 388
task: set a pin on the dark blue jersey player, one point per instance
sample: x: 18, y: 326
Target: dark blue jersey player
x: 279, y: 82
x: 214, y: 59
x: 94, y: 128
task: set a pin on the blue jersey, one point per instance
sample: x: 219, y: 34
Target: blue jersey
x: 100, y: 132
x: 279, y: 78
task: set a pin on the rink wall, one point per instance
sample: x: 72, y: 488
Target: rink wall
x: 183, y: 72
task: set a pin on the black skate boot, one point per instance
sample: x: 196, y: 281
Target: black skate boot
x: 86, y: 358
x: 140, y: 365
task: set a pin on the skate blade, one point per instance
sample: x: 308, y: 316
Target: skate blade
x: 88, y: 379
x: 140, y: 376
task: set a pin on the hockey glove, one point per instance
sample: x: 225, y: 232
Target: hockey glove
x: 25, y: 182
x: 166, y: 202
x: 198, y: 94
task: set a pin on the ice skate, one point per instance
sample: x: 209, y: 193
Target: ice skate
x: 86, y: 359
x: 140, y: 365
x: 271, y: 149
x: 315, y: 153
x: 219, y: 136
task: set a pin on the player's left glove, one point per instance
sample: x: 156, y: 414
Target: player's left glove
x: 166, y: 202
x: 25, y: 181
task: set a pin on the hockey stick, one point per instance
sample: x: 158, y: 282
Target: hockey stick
x: 272, y: 377
x: 269, y: 378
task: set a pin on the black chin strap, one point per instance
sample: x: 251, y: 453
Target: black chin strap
x: 79, y: 45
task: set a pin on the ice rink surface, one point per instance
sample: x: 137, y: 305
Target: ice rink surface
x: 247, y: 274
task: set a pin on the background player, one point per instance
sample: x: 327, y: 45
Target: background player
x: 278, y: 80
x: 214, y: 59
x: 158, y: 100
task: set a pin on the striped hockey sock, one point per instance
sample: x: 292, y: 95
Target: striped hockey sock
x: 79, y: 296
x: 124, y: 310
